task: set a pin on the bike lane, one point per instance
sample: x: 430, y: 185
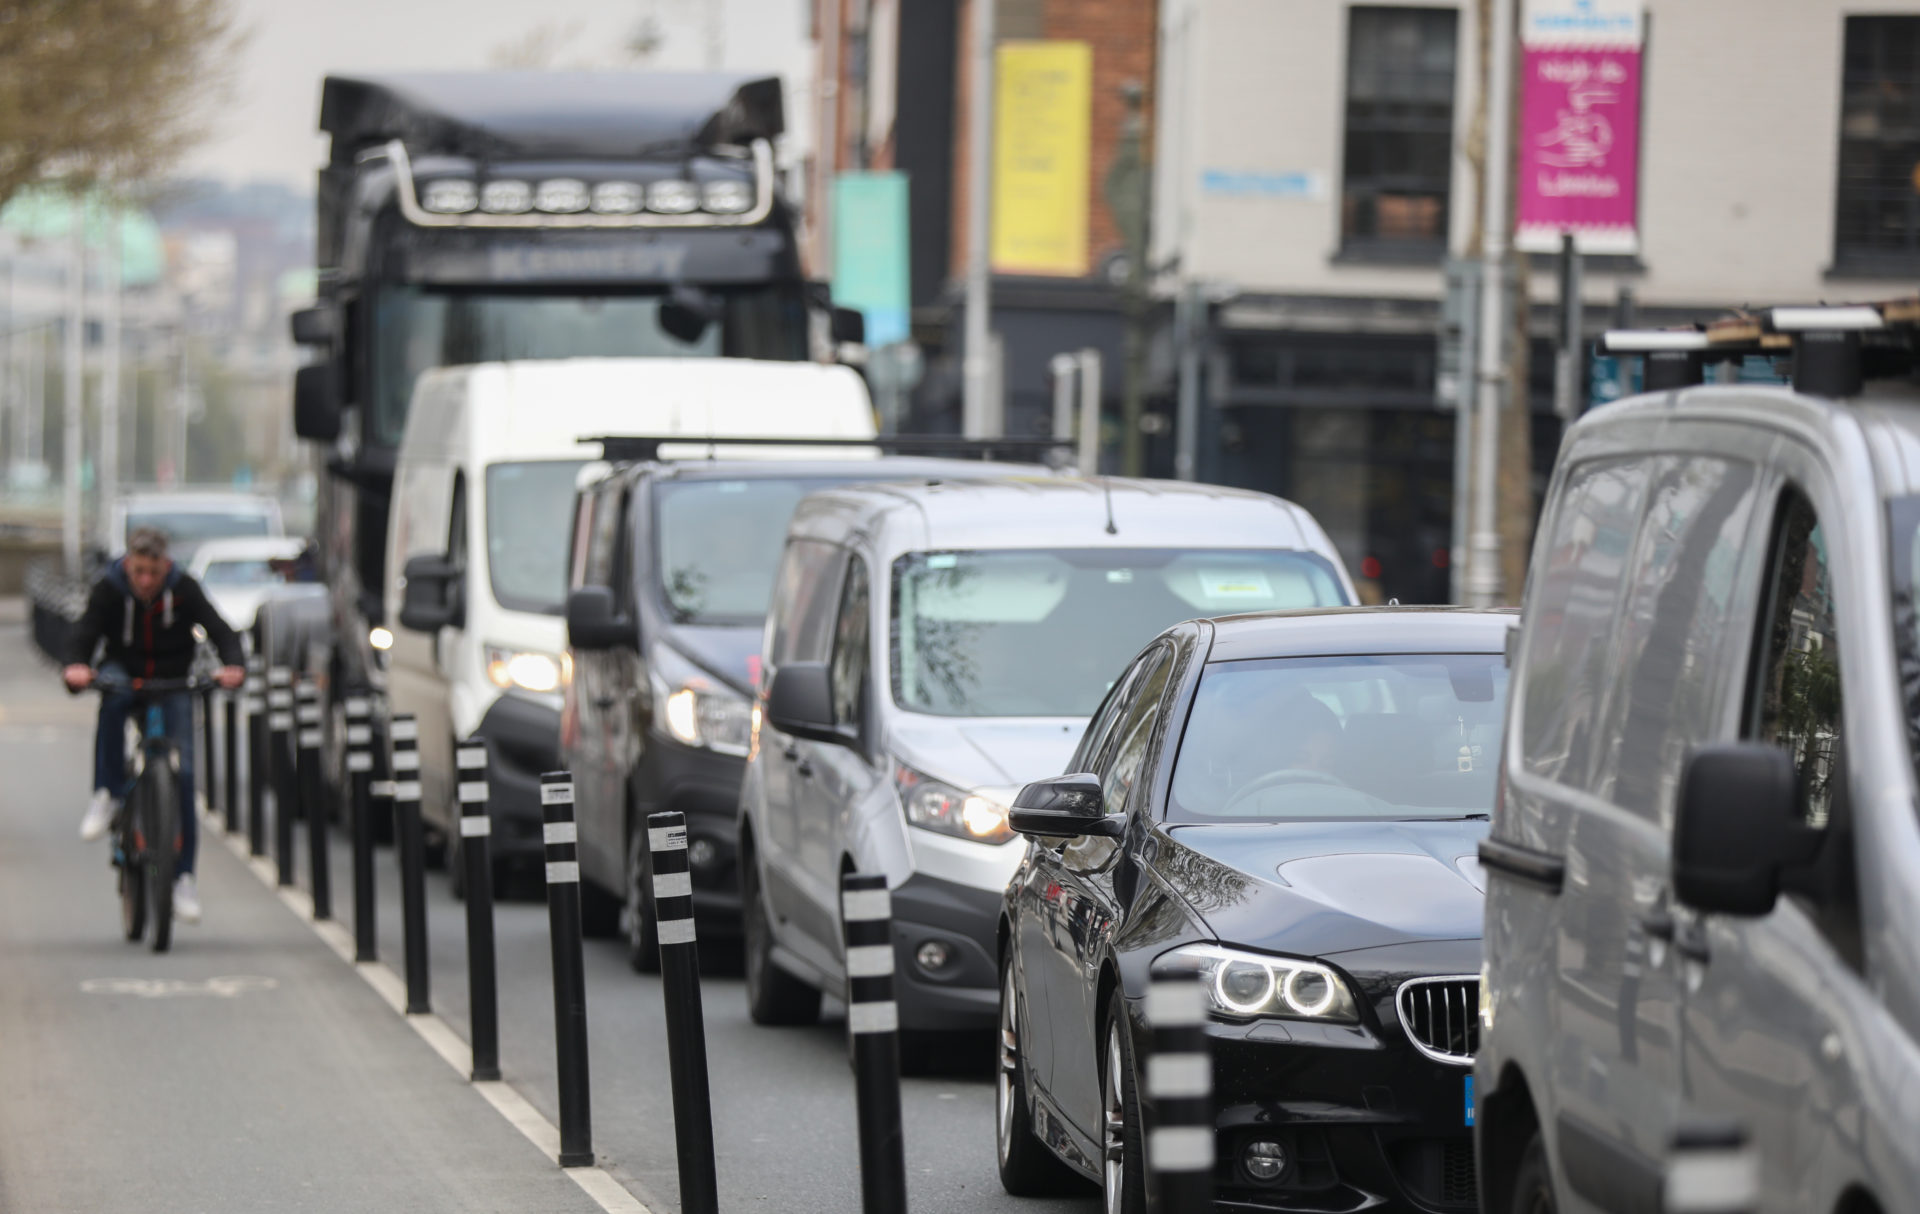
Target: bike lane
x: 248, y: 1069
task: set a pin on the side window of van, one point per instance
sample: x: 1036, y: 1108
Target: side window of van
x: 457, y: 523
x: 1795, y: 700
x: 1570, y: 616
x: 1667, y: 691
x: 850, y: 645
x: 800, y: 624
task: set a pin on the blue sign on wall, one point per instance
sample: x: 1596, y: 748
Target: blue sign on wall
x: 870, y: 251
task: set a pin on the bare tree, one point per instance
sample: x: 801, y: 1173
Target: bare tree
x: 112, y: 91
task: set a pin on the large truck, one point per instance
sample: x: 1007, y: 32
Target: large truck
x: 473, y: 217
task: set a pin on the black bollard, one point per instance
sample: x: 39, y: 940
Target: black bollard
x: 313, y: 796
x: 230, y: 758
x: 476, y: 828
x: 866, y: 913
x: 569, y: 975
x: 409, y: 835
x: 1180, y: 1147
x: 686, y: 1025
x: 279, y: 734
x: 366, y: 945
x: 256, y: 704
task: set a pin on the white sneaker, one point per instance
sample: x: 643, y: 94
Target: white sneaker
x: 186, y: 899
x: 99, y: 816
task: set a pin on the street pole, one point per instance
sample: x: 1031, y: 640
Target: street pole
x: 71, y: 403
x: 829, y: 149
x: 1129, y: 190
x: 107, y: 475
x: 978, y: 365
x: 1483, y: 547
x: 1186, y: 431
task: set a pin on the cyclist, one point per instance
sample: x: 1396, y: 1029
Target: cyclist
x: 144, y: 609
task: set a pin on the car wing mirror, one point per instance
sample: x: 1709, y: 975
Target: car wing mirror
x: 800, y: 703
x: 1064, y: 807
x: 1737, y: 830
x: 593, y: 622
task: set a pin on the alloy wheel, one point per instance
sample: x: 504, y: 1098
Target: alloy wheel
x: 1114, y: 1132
x: 1009, y: 1060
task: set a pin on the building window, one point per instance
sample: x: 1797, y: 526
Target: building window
x: 1399, y: 151
x: 1877, y: 220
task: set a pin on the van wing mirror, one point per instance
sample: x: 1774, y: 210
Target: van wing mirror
x: 1737, y: 829
x: 800, y: 703
x: 429, y: 598
x: 593, y: 622
x: 1064, y: 807
x: 316, y: 403
x: 847, y: 326
x: 312, y: 326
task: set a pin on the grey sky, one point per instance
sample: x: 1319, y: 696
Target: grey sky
x: 267, y: 131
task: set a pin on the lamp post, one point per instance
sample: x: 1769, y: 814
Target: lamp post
x: 1129, y: 195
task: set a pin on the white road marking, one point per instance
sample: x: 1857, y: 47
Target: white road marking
x: 596, y: 1182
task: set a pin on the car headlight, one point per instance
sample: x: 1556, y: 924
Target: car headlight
x: 699, y: 711
x: 523, y: 669
x: 932, y: 805
x: 1242, y: 985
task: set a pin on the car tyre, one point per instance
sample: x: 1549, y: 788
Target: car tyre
x: 1123, y: 1177
x: 774, y: 997
x: 1533, y: 1180
x: 1027, y: 1167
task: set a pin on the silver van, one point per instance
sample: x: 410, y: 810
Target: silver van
x: 931, y: 647
x: 1702, y: 987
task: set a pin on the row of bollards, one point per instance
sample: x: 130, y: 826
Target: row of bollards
x: 280, y: 718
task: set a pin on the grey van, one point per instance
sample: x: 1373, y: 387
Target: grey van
x: 1702, y: 987
x: 931, y: 647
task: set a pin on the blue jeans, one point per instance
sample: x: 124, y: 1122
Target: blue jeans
x: 110, y: 759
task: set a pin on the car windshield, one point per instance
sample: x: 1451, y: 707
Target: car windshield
x: 1043, y: 632
x: 186, y: 530
x: 528, y: 504
x: 1390, y: 736
x: 251, y: 572
x: 719, y: 544
x: 416, y: 330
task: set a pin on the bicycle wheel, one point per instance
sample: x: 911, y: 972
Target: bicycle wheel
x: 133, y: 873
x: 163, y: 844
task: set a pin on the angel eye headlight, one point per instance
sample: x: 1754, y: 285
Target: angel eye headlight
x: 1241, y: 985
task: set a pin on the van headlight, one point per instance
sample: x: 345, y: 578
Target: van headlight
x: 696, y: 710
x: 1241, y: 985
x: 524, y: 670
x: 936, y: 806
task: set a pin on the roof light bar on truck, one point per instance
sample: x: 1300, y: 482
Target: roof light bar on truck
x: 624, y: 447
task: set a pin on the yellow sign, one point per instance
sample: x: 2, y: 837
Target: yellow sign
x: 1043, y: 100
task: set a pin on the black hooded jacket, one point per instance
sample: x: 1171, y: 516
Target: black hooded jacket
x: 151, y: 640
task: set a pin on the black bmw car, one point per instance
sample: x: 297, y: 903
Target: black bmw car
x: 1289, y: 805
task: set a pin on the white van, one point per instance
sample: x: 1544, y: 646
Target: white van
x: 476, y: 570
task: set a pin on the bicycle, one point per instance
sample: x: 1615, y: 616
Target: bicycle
x: 146, y: 828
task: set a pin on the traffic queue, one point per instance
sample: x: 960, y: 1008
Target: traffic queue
x: 1095, y: 736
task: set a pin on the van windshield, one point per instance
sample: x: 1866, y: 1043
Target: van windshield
x: 528, y: 504
x: 719, y: 544
x: 1358, y: 736
x: 1043, y: 632
x: 1903, y: 515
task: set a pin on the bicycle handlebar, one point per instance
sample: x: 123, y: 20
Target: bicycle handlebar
x: 194, y: 683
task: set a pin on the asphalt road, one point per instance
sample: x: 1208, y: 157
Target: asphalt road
x: 280, y: 1097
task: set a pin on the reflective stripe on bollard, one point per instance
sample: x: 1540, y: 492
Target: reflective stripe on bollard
x: 686, y: 1025
x: 866, y: 915
x: 360, y: 805
x: 312, y: 802
x: 476, y: 828
x: 258, y: 744
x: 569, y: 976
x: 411, y: 838
x: 1180, y: 1147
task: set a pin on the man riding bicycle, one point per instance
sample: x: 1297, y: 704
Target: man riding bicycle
x: 144, y: 608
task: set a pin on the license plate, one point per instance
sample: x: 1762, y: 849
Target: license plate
x: 1469, y: 1100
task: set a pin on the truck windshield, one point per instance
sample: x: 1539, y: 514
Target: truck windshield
x: 528, y: 504
x: 1042, y: 632
x: 415, y: 330
x: 719, y: 543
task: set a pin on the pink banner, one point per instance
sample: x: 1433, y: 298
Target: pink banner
x: 1579, y: 149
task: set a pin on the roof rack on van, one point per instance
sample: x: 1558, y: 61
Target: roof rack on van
x: 622, y: 447
x: 1832, y: 348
